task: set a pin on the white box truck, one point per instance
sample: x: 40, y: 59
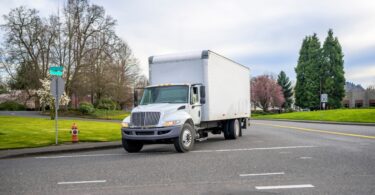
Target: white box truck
x: 190, y: 95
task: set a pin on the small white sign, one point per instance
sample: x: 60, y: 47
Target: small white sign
x: 57, y: 86
x: 324, y: 97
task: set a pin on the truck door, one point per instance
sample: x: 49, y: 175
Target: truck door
x: 195, y: 105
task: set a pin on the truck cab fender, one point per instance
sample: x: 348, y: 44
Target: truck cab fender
x: 179, y: 115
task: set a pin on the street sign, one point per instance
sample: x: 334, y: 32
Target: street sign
x: 56, y: 70
x: 57, y: 87
x: 324, y: 97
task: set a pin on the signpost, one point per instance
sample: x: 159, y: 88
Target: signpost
x: 324, y: 100
x: 57, y: 89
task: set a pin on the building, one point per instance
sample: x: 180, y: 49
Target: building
x: 358, y: 97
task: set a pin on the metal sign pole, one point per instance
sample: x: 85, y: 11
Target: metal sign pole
x: 57, y: 89
x: 56, y: 107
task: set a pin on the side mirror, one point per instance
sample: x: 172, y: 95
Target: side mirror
x: 203, y: 94
x: 135, y: 93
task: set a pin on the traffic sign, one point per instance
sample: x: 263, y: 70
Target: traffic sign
x: 56, y: 70
x: 57, y: 87
x: 324, y: 97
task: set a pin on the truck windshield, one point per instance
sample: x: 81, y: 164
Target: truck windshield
x: 165, y: 94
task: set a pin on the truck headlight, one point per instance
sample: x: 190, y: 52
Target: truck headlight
x: 125, y: 124
x: 171, y: 123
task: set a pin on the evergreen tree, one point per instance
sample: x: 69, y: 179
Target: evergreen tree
x: 286, y: 86
x: 307, y: 91
x: 300, y: 97
x: 332, y: 71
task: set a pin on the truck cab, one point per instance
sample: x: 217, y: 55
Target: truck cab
x: 162, y: 112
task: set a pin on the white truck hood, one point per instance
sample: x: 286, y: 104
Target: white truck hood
x: 164, y: 108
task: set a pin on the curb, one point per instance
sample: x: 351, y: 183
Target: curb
x: 16, y: 153
x: 320, y: 122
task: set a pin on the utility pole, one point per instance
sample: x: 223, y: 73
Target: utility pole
x: 320, y: 92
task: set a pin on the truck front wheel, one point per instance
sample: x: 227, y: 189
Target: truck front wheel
x: 132, y: 146
x: 185, y: 141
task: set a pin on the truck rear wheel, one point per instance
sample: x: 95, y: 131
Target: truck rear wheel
x: 185, y: 141
x: 132, y: 146
x: 226, y: 130
x: 232, y: 129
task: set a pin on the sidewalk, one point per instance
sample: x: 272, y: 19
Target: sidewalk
x: 67, y: 147
x: 321, y: 122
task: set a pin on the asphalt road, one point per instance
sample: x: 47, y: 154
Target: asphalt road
x: 271, y: 158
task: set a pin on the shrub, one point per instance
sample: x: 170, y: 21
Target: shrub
x: 3, y: 89
x: 12, y: 106
x: 86, y: 108
x: 107, y: 104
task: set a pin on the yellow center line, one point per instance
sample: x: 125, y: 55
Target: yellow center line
x: 319, y: 131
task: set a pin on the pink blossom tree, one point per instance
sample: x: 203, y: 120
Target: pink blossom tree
x: 265, y: 92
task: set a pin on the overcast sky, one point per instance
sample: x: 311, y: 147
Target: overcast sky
x: 263, y: 35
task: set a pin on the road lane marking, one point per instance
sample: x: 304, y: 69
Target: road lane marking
x: 197, y: 151
x: 250, y: 149
x: 305, y: 157
x: 74, y: 156
x: 283, y: 187
x: 319, y: 131
x: 81, y: 182
x: 261, y: 174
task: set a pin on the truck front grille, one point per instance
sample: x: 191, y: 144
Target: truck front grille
x: 141, y: 119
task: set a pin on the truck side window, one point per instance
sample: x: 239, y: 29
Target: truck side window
x: 194, y: 95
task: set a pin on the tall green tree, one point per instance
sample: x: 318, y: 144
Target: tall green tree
x: 332, y: 71
x: 307, y: 90
x: 286, y: 86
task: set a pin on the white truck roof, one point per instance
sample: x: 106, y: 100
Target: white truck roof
x: 204, y: 54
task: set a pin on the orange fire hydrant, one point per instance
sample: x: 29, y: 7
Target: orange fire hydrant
x: 74, y: 133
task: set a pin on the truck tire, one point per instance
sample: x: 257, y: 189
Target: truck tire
x: 244, y: 121
x: 185, y: 142
x: 226, y: 129
x: 234, y: 129
x: 132, y: 146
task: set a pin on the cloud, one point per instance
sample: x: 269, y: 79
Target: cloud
x: 264, y: 35
x: 364, y: 75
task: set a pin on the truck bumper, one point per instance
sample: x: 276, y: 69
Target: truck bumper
x: 151, y: 134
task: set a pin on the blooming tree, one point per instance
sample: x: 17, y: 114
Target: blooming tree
x: 44, y: 93
x: 265, y: 92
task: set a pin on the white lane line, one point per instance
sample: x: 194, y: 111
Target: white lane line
x: 198, y: 151
x: 305, y: 157
x: 250, y: 149
x: 80, y: 182
x: 283, y: 187
x: 261, y: 174
x: 74, y: 156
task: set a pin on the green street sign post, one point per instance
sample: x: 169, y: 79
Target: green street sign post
x: 56, y: 70
x: 57, y: 89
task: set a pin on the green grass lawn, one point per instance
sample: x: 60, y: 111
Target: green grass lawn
x: 339, y: 115
x: 98, y: 114
x: 25, y: 132
x: 110, y: 114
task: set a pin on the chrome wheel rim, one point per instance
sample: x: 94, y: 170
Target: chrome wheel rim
x: 236, y: 128
x: 186, y: 138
